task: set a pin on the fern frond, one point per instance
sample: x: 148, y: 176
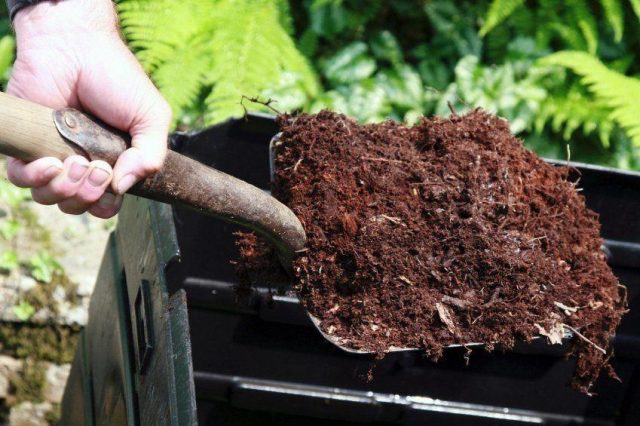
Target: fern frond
x: 615, y: 90
x: 219, y: 49
x: 615, y: 17
x: 572, y: 36
x: 181, y: 77
x: 583, y: 16
x: 157, y: 28
x: 574, y: 109
x: 635, y: 5
x: 284, y: 14
x: 252, y: 59
x: 499, y: 10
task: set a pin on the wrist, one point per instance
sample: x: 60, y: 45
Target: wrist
x: 54, y: 18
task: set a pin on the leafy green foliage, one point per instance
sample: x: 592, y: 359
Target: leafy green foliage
x: 9, y: 228
x: 572, y: 109
x: 372, y: 82
x: 9, y: 260
x: 215, y: 51
x: 615, y: 90
x: 12, y: 195
x: 7, y: 55
x: 500, y: 90
x: 372, y: 73
x: 579, y: 109
x: 513, y: 90
x: 24, y: 311
x: 635, y: 4
x: 572, y: 21
x: 613, y: 13
x: 498, y: 12
x: 42, y: 267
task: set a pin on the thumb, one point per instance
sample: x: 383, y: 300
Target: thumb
x: 148, y: 148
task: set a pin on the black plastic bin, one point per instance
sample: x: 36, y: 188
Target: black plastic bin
x: 167, y: 343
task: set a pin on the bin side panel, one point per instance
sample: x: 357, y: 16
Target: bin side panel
x: 77, y: 403
x: 147, y: 243
x: 108, y: 337
x: 182, y: 361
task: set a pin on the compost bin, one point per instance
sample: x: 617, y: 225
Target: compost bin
x: 169, y: 343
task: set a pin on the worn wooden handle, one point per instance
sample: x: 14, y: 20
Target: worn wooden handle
x: 27, y: 131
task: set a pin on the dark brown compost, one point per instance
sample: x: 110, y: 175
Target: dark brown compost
x: 447, y: 232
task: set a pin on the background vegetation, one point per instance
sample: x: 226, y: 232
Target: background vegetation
x: 561, y: 72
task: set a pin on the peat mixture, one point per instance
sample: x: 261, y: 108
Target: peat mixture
x: 447, y: 232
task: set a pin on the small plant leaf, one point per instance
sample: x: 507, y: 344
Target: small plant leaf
x: 12, y: 195
x: 351, y: 64
x: 499, y: 10
x: 9, y: 260
x: 42, y: 266
x: 9, y: 228
x: 24, y: 311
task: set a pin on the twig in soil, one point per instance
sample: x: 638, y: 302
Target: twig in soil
x: 256, y: 100
x: 568, y: 310
x: 544, y: 237
x: 425, y: 183
x: 392, y: 219
x: 583, y: 337
x: 451, y: 108
x: 385, y: 160
x: 406, y: 280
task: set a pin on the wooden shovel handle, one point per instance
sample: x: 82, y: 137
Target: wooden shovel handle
x: 27, y: 131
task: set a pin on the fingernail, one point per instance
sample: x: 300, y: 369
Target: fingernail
x: 98, y: 176
x: 51, y: 172
x: 76, y: 171
x: 108, y: 200
x: 126, y: 182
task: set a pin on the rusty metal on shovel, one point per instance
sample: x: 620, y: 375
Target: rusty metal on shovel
x: 29, y: 132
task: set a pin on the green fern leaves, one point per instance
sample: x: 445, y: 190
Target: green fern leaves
x: 572, y: 109
x: 216, y: 50
x: 635, y: 5
x: 615, y: 17
x: 573, y: 21
x: 499, y: 10
x: 615, y: 90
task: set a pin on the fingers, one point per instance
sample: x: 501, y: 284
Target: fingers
x: 79, y: 186
x: 107, y: 206
x: 34, y: 174
x: 148, y: 148
x: 65, y: 185
x: 90, y: 190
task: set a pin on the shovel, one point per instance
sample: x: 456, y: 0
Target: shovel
x: 29, y: 131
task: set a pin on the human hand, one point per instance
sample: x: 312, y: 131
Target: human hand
x: 70, y: 54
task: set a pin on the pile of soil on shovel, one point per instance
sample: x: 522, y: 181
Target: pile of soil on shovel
x: 447, y: 232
